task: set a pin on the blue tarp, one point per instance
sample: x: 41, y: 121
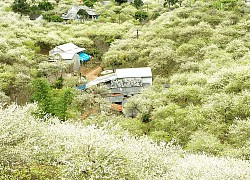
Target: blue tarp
x: 84, y: 56
x: 82, y: 87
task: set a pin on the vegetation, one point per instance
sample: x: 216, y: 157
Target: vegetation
x: 193, y: 123
x: 23, y: 7
x: 48, y: 149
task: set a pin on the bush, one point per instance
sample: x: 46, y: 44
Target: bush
x: 52, y: 18
x: 45, y: 5
x: 21, y: 6
x: 204, y: 142
x: 141, y: 15
x: 31, y: 148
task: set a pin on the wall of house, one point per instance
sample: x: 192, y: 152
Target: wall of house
x: 123, y: 88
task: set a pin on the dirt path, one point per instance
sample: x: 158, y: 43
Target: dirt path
x: 91, y: 74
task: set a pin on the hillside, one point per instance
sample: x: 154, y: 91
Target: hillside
x: 192, y: 123
x: 202, y: 52
x: 31, y: 149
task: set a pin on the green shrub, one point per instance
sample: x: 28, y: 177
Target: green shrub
x: 53, y: 18
x: 45, y: 5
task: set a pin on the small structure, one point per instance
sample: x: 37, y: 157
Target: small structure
x: 248, y: 2
x: 71, y: 53
x: 72, y: 13
x: 36, y: 17
x: 105, y: 2
x: 124, y: 83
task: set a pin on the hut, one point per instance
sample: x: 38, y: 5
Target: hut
x: 72, y: 13
x: 70, y: 53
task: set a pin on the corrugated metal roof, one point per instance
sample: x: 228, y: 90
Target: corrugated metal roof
x: 91, y: 12
x: 67, y: 55
x: 70, y: 47
x: 134, y: 72
x: 76, y: 50
x: 101, y: 79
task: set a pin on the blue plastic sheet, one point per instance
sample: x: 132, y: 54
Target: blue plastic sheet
x: 84, y: 56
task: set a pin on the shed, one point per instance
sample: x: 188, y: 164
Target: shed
x: 145, y: 73
x: 125, y: 83
x: 72, y: 13
x: 66, y: 48
x: 36, y: 17
x: 70, y: 53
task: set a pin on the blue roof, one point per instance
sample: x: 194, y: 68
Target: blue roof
x: 84, y: 56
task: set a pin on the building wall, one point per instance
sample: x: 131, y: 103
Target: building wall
x: 123, y: 88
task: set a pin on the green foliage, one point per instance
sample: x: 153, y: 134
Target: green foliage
x: 21, y: 6
x: 204, y: 142
x: 33, y: 149
x: 4, y: 99
x: 134, y: 126
x: 89, y: 3
x: 59, y: 83
x: 225, y: 4
x: 62, y: 103
x: 172, y: 120
x: 52, y: 17
x: 28, y: 171
x: 82, y: 13
x: 45, y: 5
x: 206, y: 65
x: 42, y: 94
x: 170, y: 2
x: 155, y: 15
x: 141, y: 15
x: 50, y: 101
x: 138, y: 3
x: 119, y: 2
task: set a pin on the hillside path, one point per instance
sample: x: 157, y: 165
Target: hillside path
x: 91, y: 74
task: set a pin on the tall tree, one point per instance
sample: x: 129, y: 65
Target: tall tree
x: 21, y: 6
x: 121, y: 1
x: 42, y: 94
x: 83, y: 14
x: 138, y: 3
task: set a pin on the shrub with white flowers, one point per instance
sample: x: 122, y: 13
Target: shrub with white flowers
x: 48, y: 148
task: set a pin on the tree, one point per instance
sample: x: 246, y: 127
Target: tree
x: 83, y: 14
x: 45, y: 5
x: 21, y: 6
x: 120, y: 1
x: 138, y: 3
x: 42, y: 94
x: 52, y: 17
x: 170, y: 2
x: 57, y: 1
x: 62, y: 103
x: 89, y: 3
x: 118, y: 11
x: 141, y: 15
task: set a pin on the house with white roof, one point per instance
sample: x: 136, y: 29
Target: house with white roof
x: 70, y: 53
x: 72, y: 13
x: 124, y: 83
